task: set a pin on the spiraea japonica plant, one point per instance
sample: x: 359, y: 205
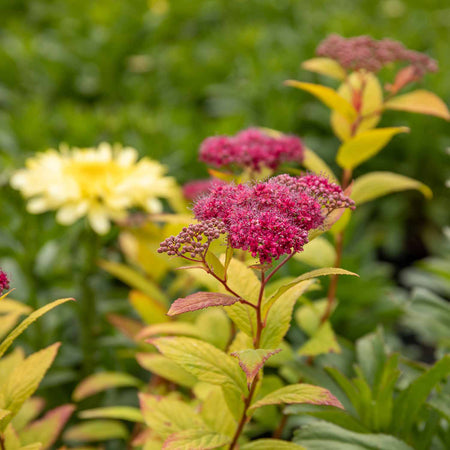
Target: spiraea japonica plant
x: 357, y: 106
x: 20, y: 376
x: 220, y: 361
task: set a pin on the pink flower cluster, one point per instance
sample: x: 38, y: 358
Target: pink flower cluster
x: 193, y: 240
x: 196, y: 188
x: 251, y: 149
x: 272, y: 218
x: 363, y: 52
x: 4, y: 282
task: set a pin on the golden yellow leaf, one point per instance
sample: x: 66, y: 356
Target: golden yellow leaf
x: 376, y: 184
x: 420, y: 101
x: 328, y: 96
x: 325, y: 66
x: 365, y: 145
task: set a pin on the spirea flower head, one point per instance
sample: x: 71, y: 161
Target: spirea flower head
x: 100, y: 183
x: 194, y: 240
x: 251, y: 149
x: 363, y: 52
x: 196, y: 188
x: 272, y: 218
x: 4, y: 281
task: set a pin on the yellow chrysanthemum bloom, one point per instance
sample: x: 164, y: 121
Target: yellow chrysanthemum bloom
x: 101, y: 183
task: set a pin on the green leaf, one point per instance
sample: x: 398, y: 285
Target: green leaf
x: 113, y: 412
x: 166, y: 416
x: 419, y: 101
x: 326, y: 436
x: 313, y: 162
x: 166, y: 368
x: 408, y: 404
x: 327, y: 96
x: 135, y: 280
x: 216, y: 413
x: 278, y: 318
x: 322, y: 341
x: 244, y: 316
x: 309, y: 315
x: 371, y: 355
x: 384, y: 395
x: 204, y: 361
x: 441, y: 403
x: 325, y: 66
x: 195, y: 438
x: 251, y: 361
x: 365, y: 145
x: 347, y: 386
x: 307, y: 276
x: 47, y: 429
x: 338, y: 417
x: 200, y: 300
x: 215, y: 327
x: 270, y: 444
x: 215, y: 265
x: 317, y: 253
x: 376, y: 184
x: 101, y: 381
x: 299, y: 393
x: 25, y: 378
x: 242, y: 280
x: 27, y: 322
x: 96, y: 431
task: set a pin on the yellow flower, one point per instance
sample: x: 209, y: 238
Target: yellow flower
x: 100, y: 183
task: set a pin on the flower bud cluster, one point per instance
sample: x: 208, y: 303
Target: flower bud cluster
x: 251, y: 149
x: 363, y: 52
x: 329, y: 195
x: 272, y: 218
x: 4, y: 282
x: 193, y: 240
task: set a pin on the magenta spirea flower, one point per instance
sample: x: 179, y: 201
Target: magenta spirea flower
x: 4, y: 281
x: 251, y: 149
x: 196, y: 188
x: 272, y: 218
x: 363, y: 52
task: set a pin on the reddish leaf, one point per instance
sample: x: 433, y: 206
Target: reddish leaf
x: 200, y: 300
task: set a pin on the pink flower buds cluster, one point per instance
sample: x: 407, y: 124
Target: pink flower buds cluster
x: 4, y: 282
x: 193, y: 240
x: 329, y: 195
x: 196, y: 188
x: 251, y: 149
x: 363, y: 52
x: 272, y: 218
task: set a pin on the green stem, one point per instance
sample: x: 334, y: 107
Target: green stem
x: 87, y: 306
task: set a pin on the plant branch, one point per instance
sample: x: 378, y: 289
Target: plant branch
x: 244, y: 417
x: 274, y: 271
